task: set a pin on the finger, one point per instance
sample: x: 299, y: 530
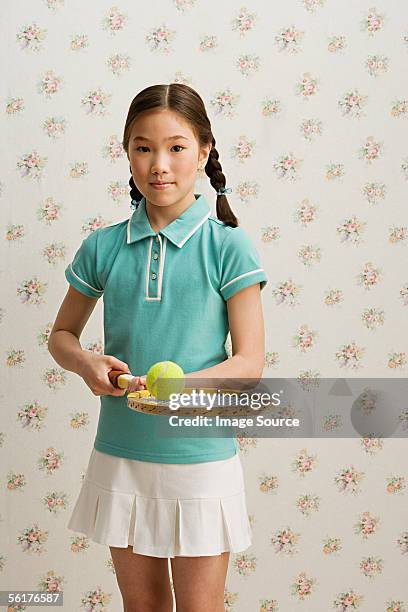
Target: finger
x: 118, y: 364
x: 133, y: 384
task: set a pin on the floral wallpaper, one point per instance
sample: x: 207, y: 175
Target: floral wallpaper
x: 308, y: 101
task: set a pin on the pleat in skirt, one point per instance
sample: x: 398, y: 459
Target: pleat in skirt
x: 162, y: 509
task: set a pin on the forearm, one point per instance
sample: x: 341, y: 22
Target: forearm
x: 66, y: 350
x: 235, y: 372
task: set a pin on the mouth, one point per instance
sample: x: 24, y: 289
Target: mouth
x: 161, y: 185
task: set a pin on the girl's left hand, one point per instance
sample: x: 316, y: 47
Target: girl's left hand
x: 137, y: 383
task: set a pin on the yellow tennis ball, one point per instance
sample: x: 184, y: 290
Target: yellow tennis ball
x: 165, y: 378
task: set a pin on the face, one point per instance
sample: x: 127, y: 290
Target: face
x: 155, y: 155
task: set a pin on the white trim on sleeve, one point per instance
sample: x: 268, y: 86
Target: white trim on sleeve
x: 241, y: 276
x: 83, y: 282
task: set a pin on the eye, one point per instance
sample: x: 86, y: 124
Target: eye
x: 142, y: 147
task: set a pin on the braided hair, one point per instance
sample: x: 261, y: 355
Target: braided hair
x: 187, y: 102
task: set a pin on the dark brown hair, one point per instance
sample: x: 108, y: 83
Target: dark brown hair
x: 186, y: 101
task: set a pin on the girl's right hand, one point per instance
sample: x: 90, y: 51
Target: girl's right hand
x: 94, y: 370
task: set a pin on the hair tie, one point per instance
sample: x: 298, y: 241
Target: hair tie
x: 134, y: 204
x: 223, y: 190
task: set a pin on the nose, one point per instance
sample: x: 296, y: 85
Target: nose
x: 159, y: 166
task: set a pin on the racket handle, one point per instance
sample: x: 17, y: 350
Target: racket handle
x: 119, y: 378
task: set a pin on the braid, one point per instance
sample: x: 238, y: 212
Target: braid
x: 134, y: 192
x: 213, y: 170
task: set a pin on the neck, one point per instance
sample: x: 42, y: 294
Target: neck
x: 161, y: 216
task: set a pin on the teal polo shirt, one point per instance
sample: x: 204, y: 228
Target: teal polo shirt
x: 165, y: 298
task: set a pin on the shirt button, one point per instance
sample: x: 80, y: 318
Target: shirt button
x: 157, y: 239
x: 155, y: 256
x: 153, y: 276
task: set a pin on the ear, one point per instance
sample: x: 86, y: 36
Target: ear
x: 204, y: 154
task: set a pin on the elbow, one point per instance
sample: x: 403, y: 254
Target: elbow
x: 256, y: 378
x: 256, y: 367
x: 253, y: 370
x: 50, y: 342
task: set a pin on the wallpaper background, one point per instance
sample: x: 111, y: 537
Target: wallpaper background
x: 308, y: 101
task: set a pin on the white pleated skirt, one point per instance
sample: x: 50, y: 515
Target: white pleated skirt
x: 162, y: 509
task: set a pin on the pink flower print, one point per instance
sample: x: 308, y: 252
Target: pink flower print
x: 32, y: 286
x: 306, y: 213
x: 307, y: 340
x: 349, y: 352
x: 374, y: 24
x: 373, y: 150
x: 53, y: 586
x: 368, y: 525
x: 33, y: 536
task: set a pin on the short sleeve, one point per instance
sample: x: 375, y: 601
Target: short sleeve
x: 82, y: 271
x: 240, y: 264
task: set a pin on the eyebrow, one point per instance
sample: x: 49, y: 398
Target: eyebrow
x: 169, y: 138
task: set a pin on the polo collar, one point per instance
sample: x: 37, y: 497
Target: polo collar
x: 178, y: 231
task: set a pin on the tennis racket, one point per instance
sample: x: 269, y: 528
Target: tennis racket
x: 226, y: 403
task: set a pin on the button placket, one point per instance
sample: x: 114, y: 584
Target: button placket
x: 154, y: 264
x: 153, y: 288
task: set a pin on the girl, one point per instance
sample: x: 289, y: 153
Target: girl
x: 174, y: 279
